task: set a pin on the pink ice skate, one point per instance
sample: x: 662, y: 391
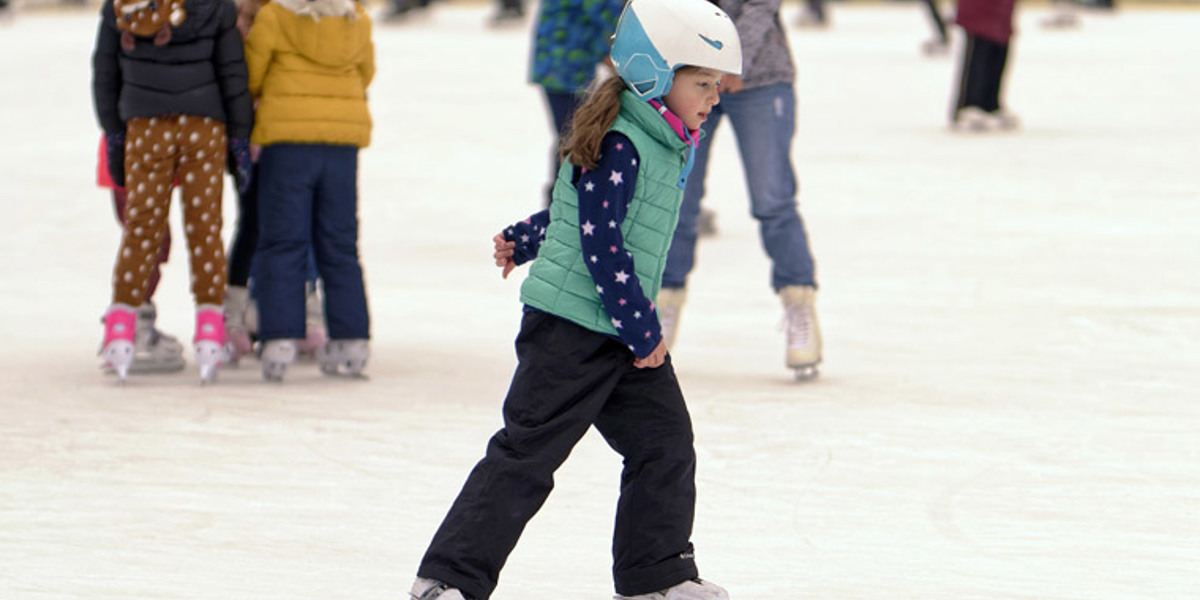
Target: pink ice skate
x: 120, y: 324
x: 209, y: 342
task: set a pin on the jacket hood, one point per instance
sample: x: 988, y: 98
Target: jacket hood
x: 327, y: 32
x: 319, y: 8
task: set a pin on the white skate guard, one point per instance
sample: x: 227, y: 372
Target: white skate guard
x: 429, y: 589
x: 695, y: 589
x: 120, y: 323
x: 209, y: 343
x: 277, y: 355
x: 344, y: 357
x: 803, y: 333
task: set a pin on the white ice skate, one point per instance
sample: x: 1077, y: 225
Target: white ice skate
x: 153, y: 350
x: 429, y: 589
x: 669, y: 306
x: 344, y: 357
x: 277, y: 355
x: 314, y: 322
x: 209, y: 342
x: 120, y: 323
x: 803, y: 333
x: 695, y: 589
x: 237, y: 334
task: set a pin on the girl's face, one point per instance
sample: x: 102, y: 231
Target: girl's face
x: 693, y: 94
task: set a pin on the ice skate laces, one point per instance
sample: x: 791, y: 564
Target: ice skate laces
x: 798, y: 322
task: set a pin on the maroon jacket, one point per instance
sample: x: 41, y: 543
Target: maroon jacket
x: 991, y: 19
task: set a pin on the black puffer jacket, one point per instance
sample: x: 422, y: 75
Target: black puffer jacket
x: 200, y: 72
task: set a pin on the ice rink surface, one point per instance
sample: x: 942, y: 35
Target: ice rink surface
x: 1009, y: 406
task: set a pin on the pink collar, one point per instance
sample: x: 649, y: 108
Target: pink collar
x: 689, y: 137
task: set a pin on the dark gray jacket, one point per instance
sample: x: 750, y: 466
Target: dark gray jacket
x: 200, y: 72
x: 766, y: 56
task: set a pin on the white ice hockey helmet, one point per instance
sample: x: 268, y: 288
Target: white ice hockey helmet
x: 655, y: 37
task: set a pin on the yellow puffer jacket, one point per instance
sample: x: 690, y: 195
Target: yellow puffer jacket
x: 309, y: 72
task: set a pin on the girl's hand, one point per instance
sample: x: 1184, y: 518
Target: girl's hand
x: 255, y: 151
x: 653, y: 360
x: 503, y: 255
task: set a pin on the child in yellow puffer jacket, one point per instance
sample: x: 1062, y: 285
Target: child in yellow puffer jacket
x: 310, y: 63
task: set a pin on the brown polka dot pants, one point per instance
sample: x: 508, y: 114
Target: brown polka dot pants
x: 190, y: 151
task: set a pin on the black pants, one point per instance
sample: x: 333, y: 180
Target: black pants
x: 567, y: 380
x: 982, y: 74
x: 245, y: 233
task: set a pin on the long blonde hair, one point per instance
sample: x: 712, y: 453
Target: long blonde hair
x: 581, y: 143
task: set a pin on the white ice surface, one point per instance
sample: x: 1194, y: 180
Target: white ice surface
x: 1009, y: 407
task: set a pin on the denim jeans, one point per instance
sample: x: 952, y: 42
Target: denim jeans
x: 764, y: 121
x: 308, y: 202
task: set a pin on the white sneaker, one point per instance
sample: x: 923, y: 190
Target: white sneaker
x: 694, y: 589
x: 669, y: 304
x: 344, y: 357
x: 277, y: 355
x: 430, y: 589
x: 800, y: 322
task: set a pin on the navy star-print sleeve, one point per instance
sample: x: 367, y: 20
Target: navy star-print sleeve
x: 529, y: 235
x: 604, y: 196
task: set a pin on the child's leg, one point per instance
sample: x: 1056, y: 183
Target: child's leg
x: 148, y: 170
x: 201, y: 143
x: 164, y: 251
x: 245, y: 234
x: 647, y: 422
x: 335, y: 244
x: 564, y: 376
x: 287, y: 174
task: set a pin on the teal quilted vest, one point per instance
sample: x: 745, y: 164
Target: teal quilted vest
x: 559, y: 282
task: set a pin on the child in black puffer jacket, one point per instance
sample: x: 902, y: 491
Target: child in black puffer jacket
x: 170, y: 90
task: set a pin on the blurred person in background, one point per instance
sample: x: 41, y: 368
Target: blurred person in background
x: 570, y: 44
x: 988, y: 25
x: 761, y: 106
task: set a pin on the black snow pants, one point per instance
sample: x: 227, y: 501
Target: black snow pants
x: 568, y: 379
x: 982, y: 75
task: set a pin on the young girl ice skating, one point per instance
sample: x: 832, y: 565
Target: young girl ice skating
x: 169, y: 85
x: 590, y: 350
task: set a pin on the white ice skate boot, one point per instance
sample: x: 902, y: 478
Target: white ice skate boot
x: 209, y: 343
x: 429, y: 589
x: 972, y: 119
x: 803, y: 333
x: 237, y: 334
x: 344, y: 357
x: 120, y: 324
x: 695, y: 589
x: 276, y: 356
x: 669, y: 304
x: 314, y: 321
x: 153, y: 350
